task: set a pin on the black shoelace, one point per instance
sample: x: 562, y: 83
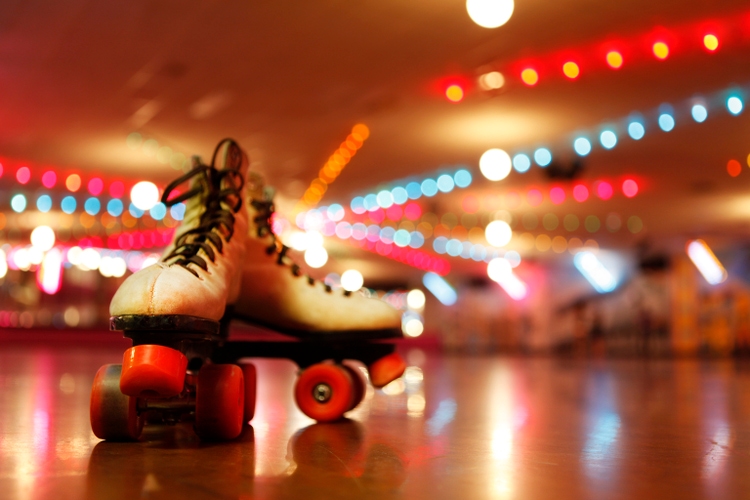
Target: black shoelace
x: 215, y: 219
x: 262, y: 221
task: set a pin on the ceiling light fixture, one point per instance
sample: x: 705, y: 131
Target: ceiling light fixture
x: 490, y: 13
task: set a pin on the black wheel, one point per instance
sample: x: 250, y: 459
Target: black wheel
x: 114, y: 415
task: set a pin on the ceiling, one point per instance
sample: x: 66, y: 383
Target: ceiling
x: 288, y: 81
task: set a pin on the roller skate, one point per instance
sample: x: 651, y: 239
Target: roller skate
x: 332, y: 327
x: 172, y: 311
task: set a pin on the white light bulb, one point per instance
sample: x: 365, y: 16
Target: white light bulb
x: 316, y: 257
x: 413, y: 328
x: 90, y: 259
x: 498, y: 269
x: 3, y: 264
x: 495, y: 164
x: 352, y: 280
x: 498, y: 233
x: 314, y: 239
x: 489, y: 13
x: 416, y: 299
x: 144, y: 195
x: 43, y: 238
x: 299, y: 241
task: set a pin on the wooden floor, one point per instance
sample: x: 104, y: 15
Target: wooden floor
x: 455, y: 427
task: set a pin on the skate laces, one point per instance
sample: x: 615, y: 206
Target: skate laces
x: 265, y: 209
x: 219, y: 188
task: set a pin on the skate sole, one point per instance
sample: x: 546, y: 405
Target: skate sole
x: 191, y: 325
x: 324, y: 336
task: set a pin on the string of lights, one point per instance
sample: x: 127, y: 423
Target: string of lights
x: 333, y: 167
x: 496, y: 164
x: 611, y: 54
x: 401, y: 191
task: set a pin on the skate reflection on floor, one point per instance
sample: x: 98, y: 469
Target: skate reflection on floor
x: 325, y: 460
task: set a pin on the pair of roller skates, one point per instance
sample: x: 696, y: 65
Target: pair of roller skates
x: 225, y: 263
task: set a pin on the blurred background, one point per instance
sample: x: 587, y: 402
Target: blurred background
x: 565, y: 177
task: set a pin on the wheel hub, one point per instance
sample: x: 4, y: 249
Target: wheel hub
x: 322, y: 393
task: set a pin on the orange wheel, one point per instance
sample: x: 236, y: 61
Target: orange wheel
x: 250, y: 375
x: 153, y: 370
x: 219, y: 402
x: 359, y: 386
x: 386, y: 370
x: 324, y: 392
x: 113, y: 414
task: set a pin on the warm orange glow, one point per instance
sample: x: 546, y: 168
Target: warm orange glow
x: 529, y: 76
x: 711, y: 42
x: 571, y: 70
x: 661, y: 50
x: 333, y: 167
x: 614, y: 59
x: 748, y: 160
x: 73, y: 182
x: 734, y: 168
x: 361, y: 132
x: 454, y: 93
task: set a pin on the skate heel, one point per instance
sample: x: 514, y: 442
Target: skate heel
x: 386, y: 370
x: 153, y: 371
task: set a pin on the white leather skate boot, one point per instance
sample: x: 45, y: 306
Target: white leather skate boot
x: 276, y: 294
x: 172, y: 309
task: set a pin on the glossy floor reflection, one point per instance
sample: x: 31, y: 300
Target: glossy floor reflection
x: 454, y: 427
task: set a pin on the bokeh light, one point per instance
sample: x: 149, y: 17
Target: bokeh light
x: 666, y: 122
x: 73, y: 183
x: 18, y: 203
x: 542, y: 157
x: 580, y: 193
x: 144, y: 195
x: 44, y: 203
x: 735, y: 105
x: 661, y: 50
x: 629, y: 188
x: 68, y: 204
x: 711, y: 42
x: 96, y: 186
x: 49, y: 179
x: 582, y: 146
x: 734, y: 168
x: 699, y: 113
x: 498, y: 233
x: 23, y: 175
x: 604, y: 190
x: 571, y: 70
x: 608, y: 139
x: 352, y: 280
x: 521, y: 163
x: 530, y: 77
x: 614, y: 59
x: 492, y: 80
x: 454, y: 93
x: 495, y: 164
x: 489, y: 13
x: 316, y: 256
x: 43, y: 238
x: 416, y: 299
x: 636, y: 130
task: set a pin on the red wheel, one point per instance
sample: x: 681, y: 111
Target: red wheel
x: 113, y: 414
x: 250, y: 375
x: 219, y: 402
x: 359, y: 384
x: 324, y: 392
x: 153, y: 370
x: 386, y: 370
